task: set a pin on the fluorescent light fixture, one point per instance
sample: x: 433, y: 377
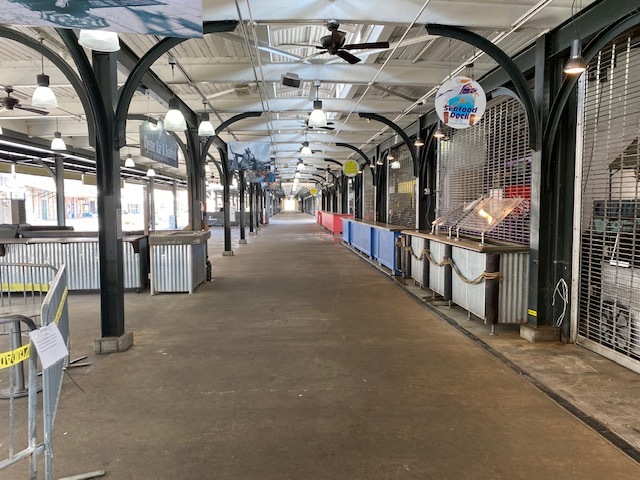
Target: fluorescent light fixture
x: 129, y: 163
x: 43, y: 96
x: 99, y: 40
x: 174, y: 119
x: 576, y: 64
x: 57, y: 143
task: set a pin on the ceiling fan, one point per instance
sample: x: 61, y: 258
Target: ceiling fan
x: 334, y: 43
x: 9, y: 103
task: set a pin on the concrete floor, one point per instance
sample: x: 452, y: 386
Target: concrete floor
x: 301, y: 361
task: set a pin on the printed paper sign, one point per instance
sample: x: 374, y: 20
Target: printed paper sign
x: 49, y: 345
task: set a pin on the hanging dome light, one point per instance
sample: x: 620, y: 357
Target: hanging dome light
x: 372, y: 165
x: 576, y: 64
x: 380, y: 161
x: 306, y: 151
x: 151, y: 172
x: 297, y: 175
x: 43, y: 96
x: 419, y: 142
x: 395, y: 164
x: 300, y: 165
x: 129, y: 163
x: 0, y: 130
x: 58, y: 143
x: 99, y: 40
x: 207, y: 168
x: 317, y: 119
x: 174, y: 119
x: 206, y: 127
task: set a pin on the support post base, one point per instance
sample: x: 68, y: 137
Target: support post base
x: 228, y: 254
x: 540, y: 334
x: 114, y: 344
x: 242, y: 241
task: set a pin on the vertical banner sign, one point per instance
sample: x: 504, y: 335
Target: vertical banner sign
x: 252, y: 157
x: 460, y: 102
x: 157, y: 144
x: 166, y: 18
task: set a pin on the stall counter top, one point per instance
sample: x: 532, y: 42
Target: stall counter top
x: 385, y: 226
x: 65, y: 239
x: 178, y: 237
x: 492, y: 246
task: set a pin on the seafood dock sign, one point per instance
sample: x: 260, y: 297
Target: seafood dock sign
x: 460, y: 102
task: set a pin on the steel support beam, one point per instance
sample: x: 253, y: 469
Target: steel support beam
x: 403, y: 135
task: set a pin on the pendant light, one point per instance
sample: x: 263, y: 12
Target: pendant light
x: 99, y: 40
x: 438, y: 133
x: 151, y: 172
x: 207, y: 168
x: 395, y: 164
x: 419, y: 142
x: 380, y: 161
x: 174, y: 119
x: 57, y: 143
x: 317, y: 118
x: 576, y: 64
x: 205, y: 129
x: 43, y: 96
x: 300, y: 167
x: 129, y: 163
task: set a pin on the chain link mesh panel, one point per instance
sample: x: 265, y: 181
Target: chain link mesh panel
x: 490, y: 159
x: 609, y: 280
x: 368, y: 192
x: 402, y: 190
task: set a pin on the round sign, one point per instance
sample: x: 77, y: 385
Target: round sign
x: 313, y: 190
x: 460, y: 102
x: 350, y: 168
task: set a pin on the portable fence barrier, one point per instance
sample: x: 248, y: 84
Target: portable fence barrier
x: 21, y: 440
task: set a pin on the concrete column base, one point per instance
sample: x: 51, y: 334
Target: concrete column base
x: 242, y: 241
x: 114, y: 344
x: 228, y: 254
x: 540, y: 334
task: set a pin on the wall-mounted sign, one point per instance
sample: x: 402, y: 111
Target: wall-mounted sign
x: 350, y: 168
x: 460, y: 102
x: 157, y: 144
x: 167, y: 18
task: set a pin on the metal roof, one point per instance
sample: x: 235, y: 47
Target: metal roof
x: 241, y: 71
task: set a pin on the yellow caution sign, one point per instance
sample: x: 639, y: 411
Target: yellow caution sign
x: 14, y: 356
x: 533, y: 313
x: 61, y: 306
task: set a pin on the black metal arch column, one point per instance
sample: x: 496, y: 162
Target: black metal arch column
x: 403, y: 135
x: 509, y: 66
x: 63, y: 66
x: 596, y: 44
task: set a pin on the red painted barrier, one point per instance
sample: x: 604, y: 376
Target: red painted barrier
x: 331, y: 221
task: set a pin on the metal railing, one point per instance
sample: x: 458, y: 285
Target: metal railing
x: 53, y: 309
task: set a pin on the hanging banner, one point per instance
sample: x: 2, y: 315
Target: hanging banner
x: 167, y: 18
x: 253, y: 158
x: 460, y: 102
x: 157, y: 144
x: 350, y: 168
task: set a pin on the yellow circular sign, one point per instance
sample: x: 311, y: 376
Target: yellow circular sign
x: 313, y: 190
x: 350, y: 168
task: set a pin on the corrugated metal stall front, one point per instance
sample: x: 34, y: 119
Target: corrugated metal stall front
x: 171, y: 268
x: 436, y: 273
x: 512, y: 307
x: 471, y: 265
x: 81, y: 259
x: 417, y: 244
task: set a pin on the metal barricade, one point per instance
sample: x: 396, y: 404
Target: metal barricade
x: 53, y: 310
